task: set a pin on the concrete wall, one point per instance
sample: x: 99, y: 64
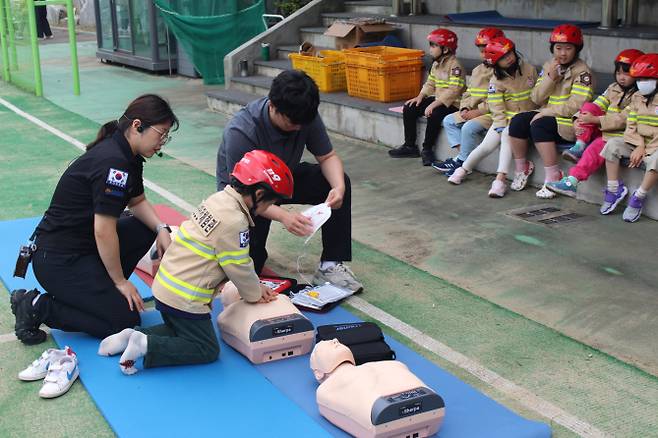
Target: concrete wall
x: 589, y: 10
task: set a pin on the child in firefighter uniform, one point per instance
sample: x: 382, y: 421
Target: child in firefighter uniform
x: 211, y: 247
x: 639, y: 143
x: 598, y: 122
x: 564, y: 85
x: 509, y: 94
x: 466, y: 128
x: 439, y: 97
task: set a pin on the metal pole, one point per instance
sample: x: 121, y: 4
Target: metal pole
x: 630, y: 18
x: 3, y: 42
x: 70, y: 21
x: 608, y: 14
x: 36, y: 61
x: 396, y: 8
x: 416, y: 7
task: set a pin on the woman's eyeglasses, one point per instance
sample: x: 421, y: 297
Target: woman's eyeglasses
x: 164, y: 136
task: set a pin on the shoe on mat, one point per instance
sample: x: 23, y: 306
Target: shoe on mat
x: 39, y: 368
x: 611, y: 200
x: 498, y: 189
x: 404, y: 151
x: 60, y: 377
x: 521, y: 178
x: 633, y: 210
x: 567, y: 186
x: 28, y: 321
x: 339, y: 275
x: 457, y: 176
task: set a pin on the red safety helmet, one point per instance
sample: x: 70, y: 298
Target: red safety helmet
x: 567, y: 33
x: 487, y: 34
x: 628, y: 56
x: 262, y: 167
x: 497, y: 48
x: 443, y: 37
x: 646, y: 66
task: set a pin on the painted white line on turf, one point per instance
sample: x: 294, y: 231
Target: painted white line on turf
x: 525, y: 397
x: 78, y: 144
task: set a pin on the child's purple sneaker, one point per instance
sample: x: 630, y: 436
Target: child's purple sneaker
x: 633, y: 209
x: 611, y: 200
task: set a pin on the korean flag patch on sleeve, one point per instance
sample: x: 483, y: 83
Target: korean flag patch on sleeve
x: 244, y: 239
x: 117, y: 178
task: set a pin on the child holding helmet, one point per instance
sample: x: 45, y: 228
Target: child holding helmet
x: 564, y: 85
x: 509, y: 94
x: 438, y: 97
x: 212, y: 246
x: 639, y: 143
x: 597, y: 122
x: 467, y: 127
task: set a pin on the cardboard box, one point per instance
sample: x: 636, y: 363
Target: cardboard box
x: 351, y: 34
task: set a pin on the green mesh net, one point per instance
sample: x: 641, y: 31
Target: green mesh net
x: 209, y: 29
x: 16, y: 33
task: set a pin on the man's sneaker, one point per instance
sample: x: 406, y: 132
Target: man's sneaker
x: 574, y: 153
x: 427, y: 156
x: 338, y: 275
x: 457, y: 176
x: 60, y: 377
x: 444, y: 166
x: 567, y: 186
x: 39, y: 368
x: 634, y: 208
x: 611, y: 200
x: 458, y: 165
x: 404, y: 151
x: 521, y: 178
x: 498, y: 189
x: 27, y: 318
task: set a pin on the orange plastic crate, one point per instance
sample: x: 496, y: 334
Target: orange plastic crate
x: 327, y: 71
x: 384, y: 74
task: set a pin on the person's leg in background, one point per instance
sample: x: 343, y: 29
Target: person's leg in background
x: 410, y: 115
x: 544, y: 133
x: 473, y: 133
x: 434, y: 124
x: 43, y: 27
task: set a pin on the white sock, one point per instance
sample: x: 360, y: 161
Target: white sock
x: 613, y: 186
x: 137, y: 347
x: 116, y: 343
x: 640, y: 193
x: 327, y: 265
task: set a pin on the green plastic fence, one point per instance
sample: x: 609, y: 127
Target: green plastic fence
x: 209, y: 29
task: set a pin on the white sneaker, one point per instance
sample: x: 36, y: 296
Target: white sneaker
x: 498, y: 189
x: 39, y: 368
x: 339, y: 275
x: 458, y: 176
x: 60, y: 377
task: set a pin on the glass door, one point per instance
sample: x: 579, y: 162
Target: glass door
x: 106, y: 24
x: 124, y: 36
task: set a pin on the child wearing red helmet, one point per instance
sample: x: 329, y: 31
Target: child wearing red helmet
x: 508, y: 94
x: 565, y: 84
x: 467, y: 127
x: 211, y: 247
x: 639, y: 143
x: 597, y: 122
x: 438, y: 97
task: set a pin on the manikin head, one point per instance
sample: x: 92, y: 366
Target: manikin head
x: 327, y: 356
x: 229, y: 294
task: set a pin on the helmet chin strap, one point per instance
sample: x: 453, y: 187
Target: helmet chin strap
x: 254, y: 205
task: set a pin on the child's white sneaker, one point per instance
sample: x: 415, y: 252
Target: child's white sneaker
x: 60, y: 377
x: 39, y: 368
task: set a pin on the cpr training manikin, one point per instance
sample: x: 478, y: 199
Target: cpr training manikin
x: 375, y: 399
x: 264, y: 332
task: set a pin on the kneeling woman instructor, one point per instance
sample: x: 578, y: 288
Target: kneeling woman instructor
x: 86, y: 248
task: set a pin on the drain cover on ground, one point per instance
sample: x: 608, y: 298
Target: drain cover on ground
x: 546, y: 215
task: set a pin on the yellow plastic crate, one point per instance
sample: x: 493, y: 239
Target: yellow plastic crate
x: 327, y: 71
x: 384, y: 74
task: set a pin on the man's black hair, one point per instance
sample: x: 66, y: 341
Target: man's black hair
x: 295, y: 95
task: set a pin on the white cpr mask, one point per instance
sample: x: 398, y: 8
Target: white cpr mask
x: 646, y: 86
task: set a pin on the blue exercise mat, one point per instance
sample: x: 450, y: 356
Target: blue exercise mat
x: 16, y: 233
x: 493, y: 18
x: 282, y: 394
